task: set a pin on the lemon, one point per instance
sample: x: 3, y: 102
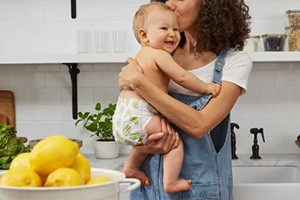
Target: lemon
x: 82, y: 165
x: 64, y: 177
x: 21, y: 177
x: 21, y: 161
x: 52, y: 153
x: 97, y: 180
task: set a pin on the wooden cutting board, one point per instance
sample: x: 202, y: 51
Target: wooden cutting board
x: 3, y: 119
x: 7, y: 107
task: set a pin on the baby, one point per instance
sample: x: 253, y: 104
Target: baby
x: 156, y: 29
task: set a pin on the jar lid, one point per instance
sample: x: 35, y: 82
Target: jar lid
x: 254, y: 36
x: 273, y: 35
x: 292, y: 27
x: 292, y: 11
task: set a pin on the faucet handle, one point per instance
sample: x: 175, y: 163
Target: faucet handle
x: 255, y: 131
x: 262, y: 134
x: 234, y: 125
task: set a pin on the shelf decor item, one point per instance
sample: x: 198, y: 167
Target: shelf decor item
x: 293, y: 17
x: 251, y: 43
x: 99, y: 124
x: 293, y: 36
x: 274, y: 42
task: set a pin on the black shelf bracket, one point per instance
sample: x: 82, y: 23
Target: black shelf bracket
x: 73, y: 70
x: 73, y: 9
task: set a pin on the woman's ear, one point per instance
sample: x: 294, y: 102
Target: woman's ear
x: 143, y: 35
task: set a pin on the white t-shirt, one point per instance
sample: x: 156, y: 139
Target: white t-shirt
x: 238, y: 65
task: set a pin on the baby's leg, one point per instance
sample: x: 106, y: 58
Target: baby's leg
x: 137, y: 158
x: 132, y: 166
x: 172, y: 165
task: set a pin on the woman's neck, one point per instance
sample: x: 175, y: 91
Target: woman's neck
x: 188, y: 58
x: 190, y: 42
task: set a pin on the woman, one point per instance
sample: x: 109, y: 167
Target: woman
x: 210, y: 29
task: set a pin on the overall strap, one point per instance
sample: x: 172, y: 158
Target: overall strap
x: 217, y: 78
x: 218, y: 68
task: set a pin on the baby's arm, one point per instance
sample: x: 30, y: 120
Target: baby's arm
x: 187, y: 80
x: 213, y: 89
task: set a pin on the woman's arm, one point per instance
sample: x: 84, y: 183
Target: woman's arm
x: 196, y: 123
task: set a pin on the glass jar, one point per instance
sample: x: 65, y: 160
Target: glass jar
x: 293, y: 36
x: 294, y: 17
x: 274, y: 42
x: 252, y: 43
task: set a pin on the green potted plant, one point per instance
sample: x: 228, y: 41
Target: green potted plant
x: 100, y: 125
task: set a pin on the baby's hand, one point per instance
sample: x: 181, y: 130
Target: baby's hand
x: 213, y: 89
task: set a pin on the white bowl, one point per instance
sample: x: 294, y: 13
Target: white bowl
x: 105, y: 191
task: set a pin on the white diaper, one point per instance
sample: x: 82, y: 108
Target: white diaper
x: 130, y: 118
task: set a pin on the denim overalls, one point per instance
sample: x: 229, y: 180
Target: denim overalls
x: 207, y: 161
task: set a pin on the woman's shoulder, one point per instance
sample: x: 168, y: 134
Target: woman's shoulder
x: 238, y: 65
x: 242, y: 57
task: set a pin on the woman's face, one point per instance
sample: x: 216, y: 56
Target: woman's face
x: 187, y: 12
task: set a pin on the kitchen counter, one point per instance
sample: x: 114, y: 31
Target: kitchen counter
x: 244, y: 160
x: 268, y: 160
x: 114, y: 164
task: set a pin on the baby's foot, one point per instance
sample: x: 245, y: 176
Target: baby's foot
x: 136, y: 173
x: 178, y: 185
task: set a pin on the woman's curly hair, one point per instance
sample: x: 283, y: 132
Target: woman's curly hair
x: 221, y: 24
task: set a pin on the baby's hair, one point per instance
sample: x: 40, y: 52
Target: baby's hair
x: 140, y: 16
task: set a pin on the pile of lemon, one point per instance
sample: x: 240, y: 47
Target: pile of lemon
x: 53, y: 162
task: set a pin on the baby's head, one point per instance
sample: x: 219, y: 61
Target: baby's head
x: 151, y: 20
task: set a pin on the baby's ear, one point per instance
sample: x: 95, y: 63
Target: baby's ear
x: 143, y: 35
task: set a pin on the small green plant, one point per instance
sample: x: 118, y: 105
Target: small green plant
x: 99, y: 123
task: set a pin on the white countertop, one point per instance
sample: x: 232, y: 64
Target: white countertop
x: 268, y: 160
x: 114, y: 164
x: 244, y: 160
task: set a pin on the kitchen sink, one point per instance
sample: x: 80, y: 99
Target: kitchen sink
x: 266, y: 174
x: 266, y: 182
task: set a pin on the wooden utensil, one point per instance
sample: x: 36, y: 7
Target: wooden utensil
x: 7, y: 107
x: 3, y: 119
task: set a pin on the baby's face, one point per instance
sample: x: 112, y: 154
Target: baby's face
x: 162, y: 30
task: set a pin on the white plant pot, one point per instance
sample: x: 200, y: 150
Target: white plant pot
x: 106, y: 149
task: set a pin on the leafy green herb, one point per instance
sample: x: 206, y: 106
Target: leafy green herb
x: 99, y: 123
x: 10, y: 146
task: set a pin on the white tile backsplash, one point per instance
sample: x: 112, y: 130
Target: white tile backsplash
x: 46, y: 26
x: 43, y: 93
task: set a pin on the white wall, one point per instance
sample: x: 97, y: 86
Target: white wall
x: 43, y: 92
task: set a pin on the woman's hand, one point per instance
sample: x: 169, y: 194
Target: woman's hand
x: 129, y: 74
x: 161, y: 143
